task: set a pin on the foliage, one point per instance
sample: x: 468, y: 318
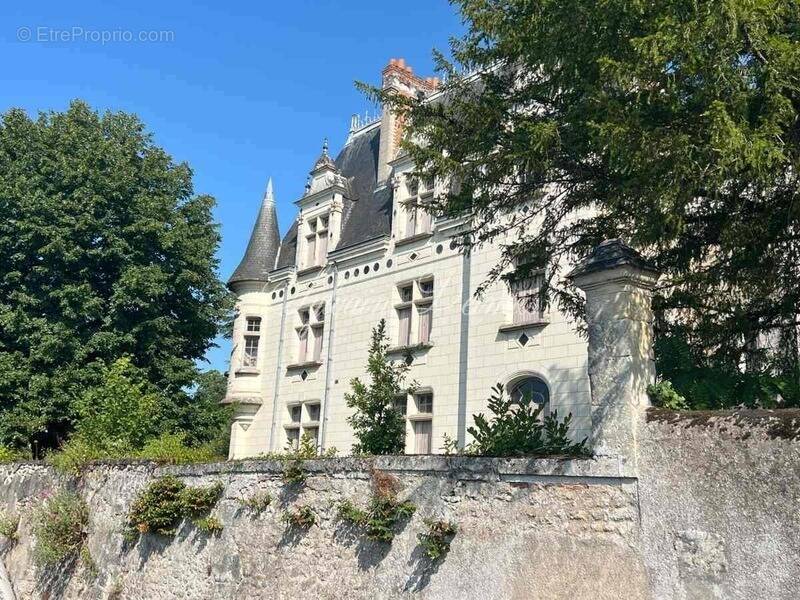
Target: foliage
x: 60, y: 528
x: 167, y: 501
x: 672, y: 124
x: 89, y: 564
x: 450, y: 445
x: 384, y: 512
x: 8, y: 526
x: 257, y: 502
x: 664, y: 395
x: 517, y: 429
x: 172, y: 448
x: 436, y: 540
x: 377, y: 425
x: 302, y: 516
x: 8, y: 455
x: 294, y: 473
x: 106, y: 253
x: 210, y: 525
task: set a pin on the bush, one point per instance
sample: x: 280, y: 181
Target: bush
x: 8, y: 526
x: 166, y: 502
x: 302, y: 516
x: 664, y: 395
x: 436, y: 540
x: 517, y: 429
x: 294, y: 473
x: 171, y: 448
x: 76, y: 454
x: 60, y: 528
x: 9, y: 455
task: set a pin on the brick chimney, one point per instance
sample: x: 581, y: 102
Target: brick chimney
x: 399, y: 77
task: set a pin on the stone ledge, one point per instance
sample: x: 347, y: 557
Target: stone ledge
x: 780, y: 423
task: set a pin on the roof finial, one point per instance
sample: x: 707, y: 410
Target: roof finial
x: 325, y: 146
x: 268, y: 195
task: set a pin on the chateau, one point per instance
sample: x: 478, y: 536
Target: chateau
x: 363, y: 248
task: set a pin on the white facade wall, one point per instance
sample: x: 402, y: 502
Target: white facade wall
x: 468, y: 355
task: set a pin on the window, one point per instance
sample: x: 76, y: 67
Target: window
x: 404, y: 334
x: 295, y: 412
x: 415, y: 207
x: 250, y: 350
x: 531, y: 389
x: 313, y: 411
x: 400, y: 404
x: 310, y: 330
x: 423, y: 435
x: 316, y: 241
x: 415, y: 312
x: 424, y: 402
x: 253, y: 324
x: 313, y: 433
x: 527, y: 290
x: 293, y: 438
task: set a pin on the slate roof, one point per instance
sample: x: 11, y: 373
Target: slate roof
x: 262, y: 249
x: 366, y: 213
x: 609, y: 254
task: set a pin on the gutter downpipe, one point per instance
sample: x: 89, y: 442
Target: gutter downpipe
x: 329, y: 358
x: 274, y: 429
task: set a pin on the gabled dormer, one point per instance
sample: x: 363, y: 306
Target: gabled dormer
x: 319, y: 223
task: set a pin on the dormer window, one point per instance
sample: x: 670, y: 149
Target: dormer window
x: 316, y: 241
x: 417, y: 218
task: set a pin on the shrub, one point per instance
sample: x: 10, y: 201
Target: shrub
x: 517, y: 429
x: 167, y: 501
x: 436, y: 540
x: 377, y: 425
x: 60, y: 528
x: 210, y: 525
x: 664, y: 395
x: 302, y: 516
x: 75, y: 455
x: 294, y: 473
x: 171, y: 448
x: 8, y: 455
x: 8, y: 526
x: 384, y: 511
x: 258, y: 502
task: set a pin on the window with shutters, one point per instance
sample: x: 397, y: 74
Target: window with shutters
x: 526, y: 285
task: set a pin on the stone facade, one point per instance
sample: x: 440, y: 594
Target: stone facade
x: 356, y: 207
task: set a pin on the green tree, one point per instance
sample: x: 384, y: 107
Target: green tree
x: 672, y: 124
x: 106, y: 252
x: 377, y: 424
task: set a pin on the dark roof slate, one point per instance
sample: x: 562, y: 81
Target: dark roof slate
x: 262, y: 249
x: 366, y: 213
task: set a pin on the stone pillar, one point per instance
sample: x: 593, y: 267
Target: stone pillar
x: 618, y: 284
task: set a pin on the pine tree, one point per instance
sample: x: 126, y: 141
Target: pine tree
x: 378, y: 425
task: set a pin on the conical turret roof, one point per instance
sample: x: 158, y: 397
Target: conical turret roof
x: 262, y: 250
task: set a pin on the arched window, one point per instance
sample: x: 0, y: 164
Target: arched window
x: 531, y: 389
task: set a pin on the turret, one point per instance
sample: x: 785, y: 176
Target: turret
x: 262, y: 250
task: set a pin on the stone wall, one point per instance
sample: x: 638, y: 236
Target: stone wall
x: 713, y: 514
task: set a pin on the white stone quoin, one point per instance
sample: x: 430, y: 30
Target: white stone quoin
x: 618, y: 284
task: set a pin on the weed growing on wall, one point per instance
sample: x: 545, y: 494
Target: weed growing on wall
x: 664, y: 395
x: 384, y: 512
x: 518, y: 428
x: 294, y: 473
x: 258, y: 502
x: 302, y: 516
x: 166, y: 502
x: 8, y: 526
x: 210, y: 525
x: 60, y: 528
x: 9, y: 455
x: 437, y: 538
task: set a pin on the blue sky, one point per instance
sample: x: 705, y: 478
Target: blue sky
x: 240, y: 91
